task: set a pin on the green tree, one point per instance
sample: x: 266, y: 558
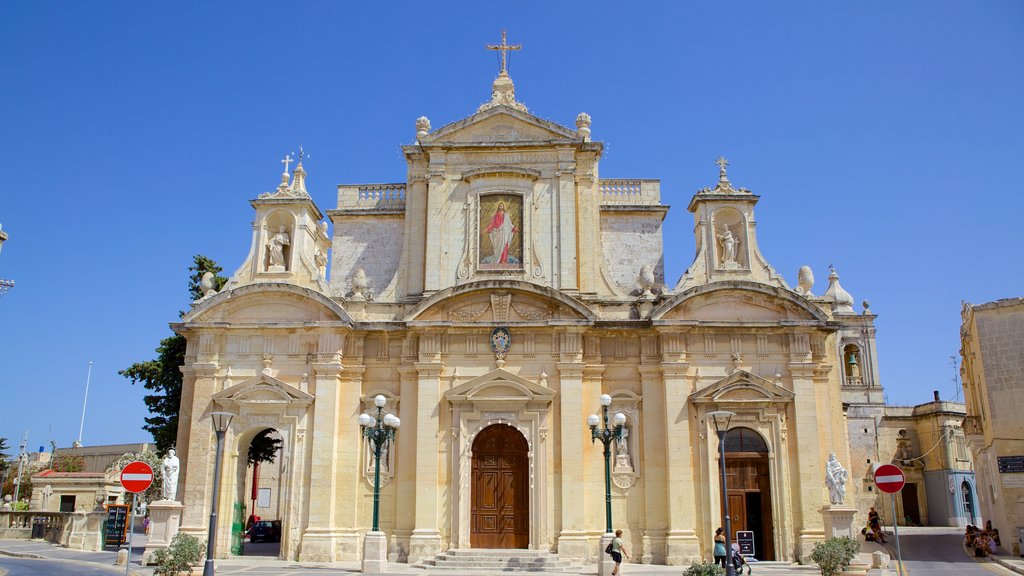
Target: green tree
x: 263, y: 448
x: 3, y: 457
x: 161, y: 375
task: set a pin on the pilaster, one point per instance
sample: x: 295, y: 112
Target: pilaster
x: 425, y: 541
x: 681, y: 543
x: 194, y: 445
x: 405, y: 468
x: 807, y: 488
x: 321, y: 538
x: 572, y: 538
x: 656, y: 486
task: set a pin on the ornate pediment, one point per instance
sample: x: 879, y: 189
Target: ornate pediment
x: 738, y: 302
x: 499, y: 387
x: 498, y: 302
x: 742, y: 387
x: 267, y: 302
x: 500, y: 124
x: 261, y: 390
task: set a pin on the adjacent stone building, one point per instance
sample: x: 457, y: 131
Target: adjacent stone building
x: 992, y: 347
x: 492, y: 298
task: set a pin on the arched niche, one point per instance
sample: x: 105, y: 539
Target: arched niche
x: 278, y: 235
x: 731, y: 245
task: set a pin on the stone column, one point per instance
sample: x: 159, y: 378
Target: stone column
x: 425, y: 541
x: 321, y: 538
x: 655, y: 470
x: 681, y: 543
x: 572, y: 540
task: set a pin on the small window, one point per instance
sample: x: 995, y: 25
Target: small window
x: 67, y: 503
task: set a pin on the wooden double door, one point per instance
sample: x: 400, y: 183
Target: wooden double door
x: 500, y: 502
x: 750, y: 501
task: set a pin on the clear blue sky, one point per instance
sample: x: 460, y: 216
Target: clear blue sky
x: 883, y: 137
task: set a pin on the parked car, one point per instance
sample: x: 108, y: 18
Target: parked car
x: 266, y: 530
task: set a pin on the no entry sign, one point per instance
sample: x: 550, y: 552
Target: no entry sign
x: 136, y: 477
x: 889, y: 479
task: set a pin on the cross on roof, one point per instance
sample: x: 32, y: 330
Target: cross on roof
x: 287, y: 160
x: 504, y: 48
x: 722, y: 163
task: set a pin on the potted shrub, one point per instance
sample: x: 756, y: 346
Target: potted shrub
x: 184, y: 552
x: 704, y: 569
x: 833, y: 556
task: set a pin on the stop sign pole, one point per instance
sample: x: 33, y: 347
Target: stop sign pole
x: 890, y: 479
x: 136, y: 477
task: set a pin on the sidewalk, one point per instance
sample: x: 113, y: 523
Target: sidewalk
x: 262, y: 566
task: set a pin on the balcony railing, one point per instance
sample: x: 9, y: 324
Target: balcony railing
x: 372, y: 196
x: 630, y: 192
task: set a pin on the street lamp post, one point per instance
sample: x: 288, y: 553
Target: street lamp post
x: 379, y: 431
x: 221, y: 421
x: 721, y: 419
x: 606, y: 435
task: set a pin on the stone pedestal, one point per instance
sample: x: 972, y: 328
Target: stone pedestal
x: 375, y: 548
x: 164, y: 520
x: 839, y: 521
x: 604, y: 562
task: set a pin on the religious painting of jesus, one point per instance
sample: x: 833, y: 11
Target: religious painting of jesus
x: 501, y: 238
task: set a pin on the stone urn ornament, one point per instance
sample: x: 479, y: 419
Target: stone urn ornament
x: 805, y: 281
x: 359, y: 284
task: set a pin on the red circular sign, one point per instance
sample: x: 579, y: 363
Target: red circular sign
x: 889, y: 479
x: 136, y: 477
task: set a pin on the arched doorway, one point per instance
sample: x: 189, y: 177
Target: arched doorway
x: 500, y: 499
x: 750, y: 496
x: 968, y: 496
x: 257, y: 522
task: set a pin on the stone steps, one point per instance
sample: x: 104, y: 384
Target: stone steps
x: 488, y: 560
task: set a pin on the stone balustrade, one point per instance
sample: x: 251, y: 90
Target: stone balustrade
x: 372, y: 196
x: 630, y: 192
x: 75, y: 530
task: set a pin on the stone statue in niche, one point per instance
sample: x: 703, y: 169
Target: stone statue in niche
x: 805, y: 281
x: 275, y: 248
x: 835, y: 479
x: 729, y: 247
x: 622, y: 460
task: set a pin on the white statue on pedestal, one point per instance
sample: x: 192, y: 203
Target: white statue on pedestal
x: 276, y: 248
x: 835, y: 479
x: 170, y: 467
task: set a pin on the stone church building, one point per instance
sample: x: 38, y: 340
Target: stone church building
x: 504, y: 222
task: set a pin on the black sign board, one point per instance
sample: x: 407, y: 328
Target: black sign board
x: 1010, y: 464
x: 745, y: 538
x: 117, y: 525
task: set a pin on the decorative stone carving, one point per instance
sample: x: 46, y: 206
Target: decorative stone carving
x: 321, y: 261
x: 805, y: 281
x: 583, y: 126
x: 467, y: 313
x: 206, y: 285
x: 500, y: 304
x: 835, y: 479
x: 275, y: 248
x: 646, y: 280
x: 422, y: 127
x: 170, y: 467
x: 501, y: 342
x: 531, y: 312
x: 842, y: 301
x: 359, y: 283
x: 622, y: 459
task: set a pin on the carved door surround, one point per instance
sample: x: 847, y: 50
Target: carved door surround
x: 499, y: 397
x: 762, y: 406
x: 258, y: 403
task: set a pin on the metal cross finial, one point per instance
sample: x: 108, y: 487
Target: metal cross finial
x: 504, y: 48
x: 287, y: 160
x: 831, y: 268
x: 722, y: 163
x: 302, y: 154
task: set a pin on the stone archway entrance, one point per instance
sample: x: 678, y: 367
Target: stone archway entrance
x: 750, y: 500
x: 500, y: 499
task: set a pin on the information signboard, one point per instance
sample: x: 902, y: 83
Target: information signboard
x: 745, y: 538
x: 117, y: 525
x: 1010, y: 464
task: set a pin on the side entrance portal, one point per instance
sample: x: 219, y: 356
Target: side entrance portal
x: 746, y: 470
x: 500, y: 509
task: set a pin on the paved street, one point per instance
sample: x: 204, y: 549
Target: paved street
x: 34, y: 567
x: 940, y: 552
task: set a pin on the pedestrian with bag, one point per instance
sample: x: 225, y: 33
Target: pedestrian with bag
x: 617, y: 550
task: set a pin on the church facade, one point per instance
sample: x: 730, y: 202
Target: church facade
x: 492, y: 299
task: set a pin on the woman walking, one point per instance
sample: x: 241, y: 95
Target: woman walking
x: 720, y: 547
x: 618, y: 550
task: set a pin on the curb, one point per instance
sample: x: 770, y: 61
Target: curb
x: 21, y: 555
x: 1008, y: 565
